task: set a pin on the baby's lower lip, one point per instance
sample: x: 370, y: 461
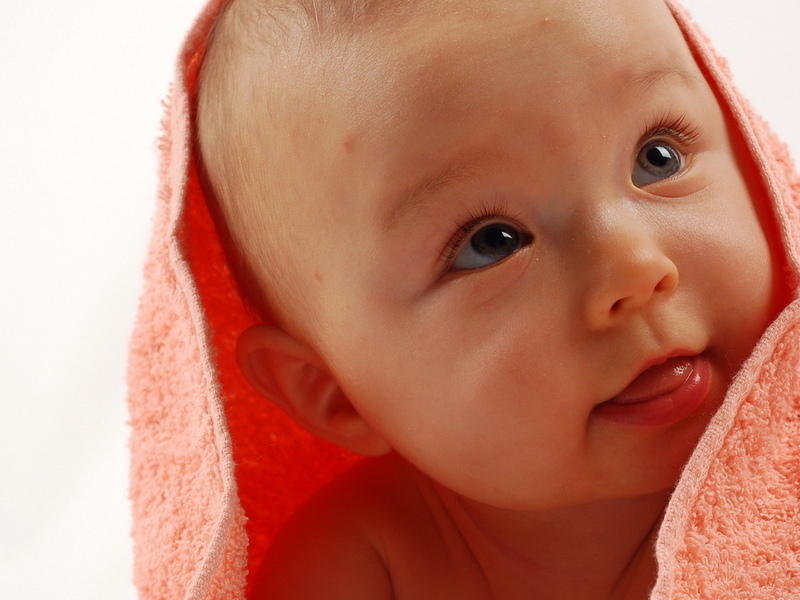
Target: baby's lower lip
x: 662, y: 395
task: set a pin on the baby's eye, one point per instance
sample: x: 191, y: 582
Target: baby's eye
x: 490, y: 244
x: 657, y: 160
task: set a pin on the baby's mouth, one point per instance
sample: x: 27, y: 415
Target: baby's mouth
x: 662, y: 394
x: 657, y: 380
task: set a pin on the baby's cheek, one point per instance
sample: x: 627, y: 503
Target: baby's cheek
x: 469, y: 289
x: 739, y: 275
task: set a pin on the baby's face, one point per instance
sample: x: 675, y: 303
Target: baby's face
x: 521, y: 206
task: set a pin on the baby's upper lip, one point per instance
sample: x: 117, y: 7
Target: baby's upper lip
x: 664, y: 357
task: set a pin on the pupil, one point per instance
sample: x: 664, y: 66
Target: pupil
x: 495, y: 241
x: 659, y: 156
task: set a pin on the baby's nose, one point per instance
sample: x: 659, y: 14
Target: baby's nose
x: 627, y: 271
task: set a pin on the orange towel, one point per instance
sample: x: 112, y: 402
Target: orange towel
x: 216, y: 470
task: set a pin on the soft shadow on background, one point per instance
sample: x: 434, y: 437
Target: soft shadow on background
x: 79, y: 114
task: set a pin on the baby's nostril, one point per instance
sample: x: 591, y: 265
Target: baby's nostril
x: 664, y: 284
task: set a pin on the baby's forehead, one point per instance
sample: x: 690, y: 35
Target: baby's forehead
x: 428, y: 62
x: 351, y: 47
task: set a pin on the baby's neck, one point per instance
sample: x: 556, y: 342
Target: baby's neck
x: 595, y: 551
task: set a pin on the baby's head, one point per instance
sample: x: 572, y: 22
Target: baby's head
x: 517, y: 242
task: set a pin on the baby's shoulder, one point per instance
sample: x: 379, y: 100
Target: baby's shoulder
x: 375, y: 532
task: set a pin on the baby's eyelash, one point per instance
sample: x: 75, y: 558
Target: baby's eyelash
x: 678, y: 128
x: 496, y: 211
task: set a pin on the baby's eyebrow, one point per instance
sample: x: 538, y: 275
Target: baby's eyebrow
x: 645, y: 81
x: 458, y: 170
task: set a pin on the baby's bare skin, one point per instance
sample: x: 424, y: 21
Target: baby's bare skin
x: 386, y: 531
x: 579, y: 142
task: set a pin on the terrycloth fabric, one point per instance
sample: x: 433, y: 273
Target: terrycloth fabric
x: 216, y: 470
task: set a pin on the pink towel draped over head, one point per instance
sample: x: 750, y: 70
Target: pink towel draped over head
x: 215, y: 469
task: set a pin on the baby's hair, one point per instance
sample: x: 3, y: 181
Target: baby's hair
x: 254, y: 53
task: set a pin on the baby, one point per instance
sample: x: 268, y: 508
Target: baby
x: 511, y: 250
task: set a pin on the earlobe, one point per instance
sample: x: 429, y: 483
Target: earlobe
x: 292, y: 375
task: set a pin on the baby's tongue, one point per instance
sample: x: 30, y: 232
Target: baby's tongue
x: 657, y: 380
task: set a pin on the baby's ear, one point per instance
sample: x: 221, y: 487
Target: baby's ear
x: 291, y: 374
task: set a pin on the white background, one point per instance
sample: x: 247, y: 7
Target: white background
x: 80, y: 107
